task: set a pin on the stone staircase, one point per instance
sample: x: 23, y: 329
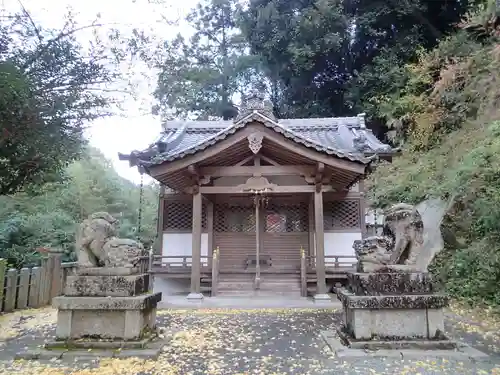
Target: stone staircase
x: 271, y: 285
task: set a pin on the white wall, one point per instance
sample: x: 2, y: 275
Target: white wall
x: 371, y: 215
x: 180, y: 244
x: 340, y: 243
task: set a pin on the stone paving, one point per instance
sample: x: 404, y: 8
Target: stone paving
x: 235, y: 342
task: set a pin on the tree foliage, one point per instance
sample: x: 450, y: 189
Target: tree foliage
x: 449, y: 109
x: 200, y: 75
x: 331, y: 57
x: 51, y: 86
x: 50, y: 218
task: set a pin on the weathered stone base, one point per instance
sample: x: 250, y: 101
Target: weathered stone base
x: 104, y: 286
x: 461, y: 352
x: 322, y: 298
x: 106, y: 271
x: 378, y: 344
x: 390, y: 283
x: 195, y: 297
x: 98, y: 344
x: 150, y: 350
x: 403, y: 317
x: 116, y: 318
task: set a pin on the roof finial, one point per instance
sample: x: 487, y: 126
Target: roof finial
x: 255, y: 102
x: 164, y: 126
x: 362, y: 123
x: 359, y: 142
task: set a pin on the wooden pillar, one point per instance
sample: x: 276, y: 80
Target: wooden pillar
x: 258, y: 242
x: 320, y: 245
x: 158, y: 246
x: 262, y: 228
x: 196, y: 249
x: 362, y: 209
x: 210, y: 228
x: 312, y: 242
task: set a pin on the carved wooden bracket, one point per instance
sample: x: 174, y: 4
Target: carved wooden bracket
x: 255, y: 142
x: 318, y: 178
x: 320, y: 169
x: 196, y: 177
x: 205, y: 180
x: 192, y: 170
x: 312, y: 179
x: 257, y: 184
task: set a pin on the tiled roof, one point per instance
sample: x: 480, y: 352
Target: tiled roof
x: 344, y: 137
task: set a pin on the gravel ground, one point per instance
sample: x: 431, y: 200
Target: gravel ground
x: 237, y: 342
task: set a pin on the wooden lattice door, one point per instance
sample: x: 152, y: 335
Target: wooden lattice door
x: 235, y: 235
x: 285, y: 232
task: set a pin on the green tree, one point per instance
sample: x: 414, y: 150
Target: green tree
x: 50, y: 88
x: 199, y: 76
x: 304, y: 46
x: 449, y: 108
x: 331, y: 56
x: 51, y: 218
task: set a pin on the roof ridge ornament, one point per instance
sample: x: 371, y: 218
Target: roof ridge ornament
x: 255, y: 142
x: 362, y: 121
x: 359, y: 142
x: 255, y: 102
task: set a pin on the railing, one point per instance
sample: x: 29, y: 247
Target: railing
x: 303, y: 273
x: 33, y: 287
x: 176, y: 263
x: 145, y: 261
x: 333, y: 262
x: 340, y: 261
x: 215, y: 272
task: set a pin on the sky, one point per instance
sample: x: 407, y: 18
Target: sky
x: 135, y: 128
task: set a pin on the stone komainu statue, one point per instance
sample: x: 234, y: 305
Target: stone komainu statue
x: 98, y: 246
x: 398, y: 247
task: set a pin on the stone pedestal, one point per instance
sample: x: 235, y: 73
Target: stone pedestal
x: 110, y: 318
x: 105, y: 309
x: 106, y: 303
x: 392, y: 308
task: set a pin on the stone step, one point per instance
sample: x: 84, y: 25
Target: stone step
x: 257, y: 293
x: 283, y: 288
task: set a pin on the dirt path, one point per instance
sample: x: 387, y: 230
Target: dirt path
x: 236, y: 342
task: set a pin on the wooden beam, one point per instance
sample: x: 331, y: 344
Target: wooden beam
x: 278, y: 189
x: 244, y: 161
x: 269, y: 160
x: 196, y: 248
x: 263, y: 170
x: 320, y: 243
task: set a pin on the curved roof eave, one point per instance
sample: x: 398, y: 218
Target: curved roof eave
x: 269, y: 123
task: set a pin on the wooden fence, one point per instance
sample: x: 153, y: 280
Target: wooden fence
x: 33, y: 287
